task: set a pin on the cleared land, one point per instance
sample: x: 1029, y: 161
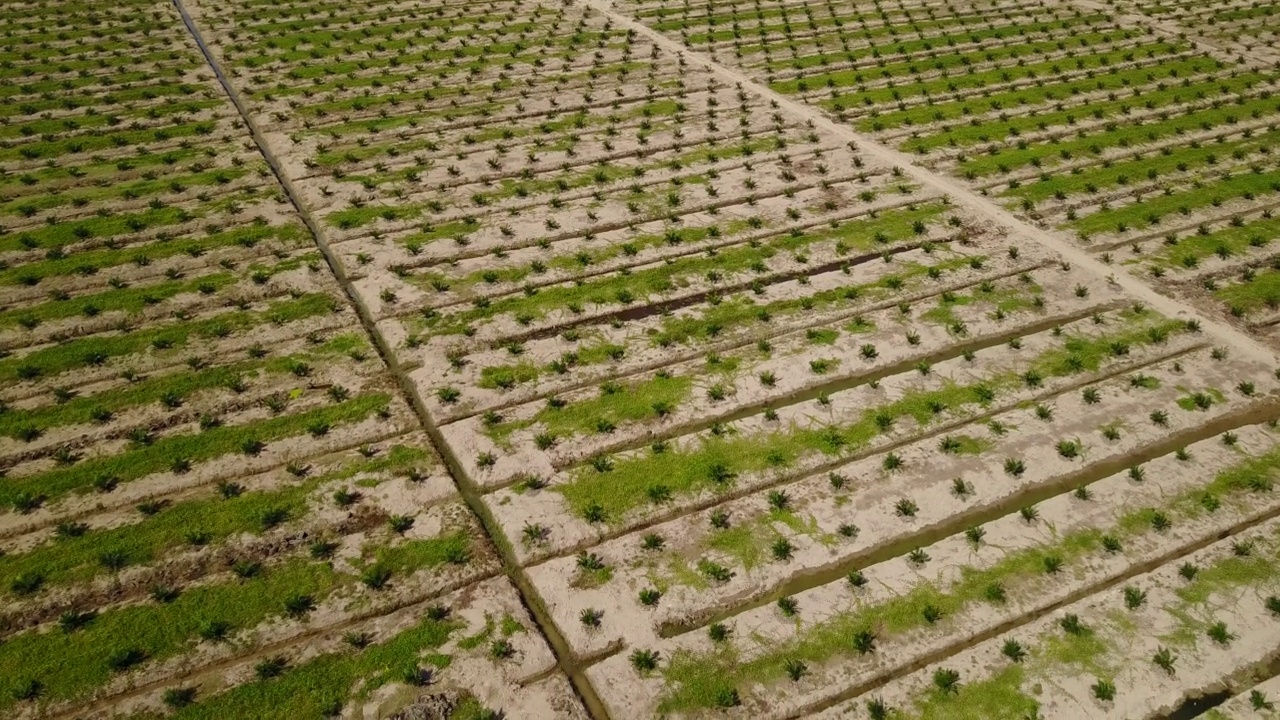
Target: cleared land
x: 521, y: 358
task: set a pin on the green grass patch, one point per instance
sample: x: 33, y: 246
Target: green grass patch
x: 323, y: 685
x: 1228, y: 573
x: 162, y: 454
x: 1083, y: 653
x: 970, y: 445
x: 748, y: 543
x: 629, y: 403
x: 88, y: 351
x: 1003, y: 300
x: 1260, y: 291
x: 505, y: 376
x: 1196, y: 401
x: 998, y: 696
x: 406, y: 557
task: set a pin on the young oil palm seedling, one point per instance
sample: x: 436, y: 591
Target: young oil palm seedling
x: 947, y: 680
x: 644, y: 660
x: 1013, y: 650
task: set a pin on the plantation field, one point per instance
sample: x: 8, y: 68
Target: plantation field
x: 633, y: 359
x: 1144, y: 132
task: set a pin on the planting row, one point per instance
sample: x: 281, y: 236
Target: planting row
x: 473, y: 653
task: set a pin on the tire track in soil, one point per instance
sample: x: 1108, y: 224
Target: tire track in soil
x: 470, y: 494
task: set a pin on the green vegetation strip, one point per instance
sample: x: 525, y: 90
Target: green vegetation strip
x: 96, y: 350
x: 177, y: 387
x: 129, y: 300
x: 113, y: 192
x: 620, y: 404
x: 1139, y: 214
x: 969, y: 134
x: 972, y: 35
x: 1116, y: 134
x: 1261, y: 290
x: 910, y: 68
x: 92, y: 261
x: 107, y: 141
x: 358, y: 216
x: 69, y: 665
x: 320, y: 687
x: 642, y: 284
x: 1141, y: 168
x: 735, y: 313
x: 166, y: 453
x: 1232, y: 240
x: 76, y: 558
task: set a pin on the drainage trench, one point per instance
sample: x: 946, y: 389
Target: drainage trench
x: 1193, y: 707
